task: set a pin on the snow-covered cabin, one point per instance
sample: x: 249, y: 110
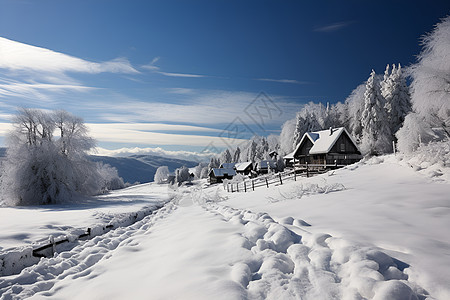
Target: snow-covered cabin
x: 334, y: 146
x: 217, y: 175
x: 244, y: 168
x: 227, y: 165
x: 264, y: 166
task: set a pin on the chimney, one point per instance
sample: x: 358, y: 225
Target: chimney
x: 331, y: 130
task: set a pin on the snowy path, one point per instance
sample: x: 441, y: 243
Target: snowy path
x: 188, y: 251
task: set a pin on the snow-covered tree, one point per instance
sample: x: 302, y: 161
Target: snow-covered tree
x: 355, y: 106
x: 287, y: 137
x: 237, y: 154
x: 375, y: 130
x: 395, y: 91
x: 225, y: 157
x: 306, y: 120
x: 182, y: 175
x: 161, y: 175
x: 37, y: 171
x: 430, y: 88
x: 110, y: 178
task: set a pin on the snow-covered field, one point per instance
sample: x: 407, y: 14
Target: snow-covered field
x: 385, y: 236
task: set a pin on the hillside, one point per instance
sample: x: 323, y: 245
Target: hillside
x: 383, y: 237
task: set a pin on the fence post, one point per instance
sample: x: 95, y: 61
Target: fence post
x: 237, y: 187
x: 228, y: 187
x: 253, y: 185
x: 295, y: 174
x: 245, y: 187
x: 281, y: 181
x: 267, y: 183
x: 232, y: 188
x: 307, y: 170
x: 52, y: 242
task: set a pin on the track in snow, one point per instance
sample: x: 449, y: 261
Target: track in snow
x: 282, y: 259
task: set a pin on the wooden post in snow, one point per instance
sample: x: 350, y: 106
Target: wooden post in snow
x: 245, y: 187
x: 253, y: 185
x: 307, y: 170
x: 281, y: 181
x: 267, y: 183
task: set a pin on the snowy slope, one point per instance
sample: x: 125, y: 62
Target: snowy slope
x: 384, y: 237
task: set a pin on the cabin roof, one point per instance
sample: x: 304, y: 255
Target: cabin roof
x: 289, y: 156
x: 227, y: 165
x: 324, y: 140
x: 265, y: 164
x: 242, y: 166
x: 220, y: 172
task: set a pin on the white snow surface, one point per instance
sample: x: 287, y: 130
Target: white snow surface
x: 384, y: 236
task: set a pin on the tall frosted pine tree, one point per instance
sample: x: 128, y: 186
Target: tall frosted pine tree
x: 395, y: 91
x: 376, y: 135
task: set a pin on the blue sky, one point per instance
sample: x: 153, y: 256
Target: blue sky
x: 176, y: 74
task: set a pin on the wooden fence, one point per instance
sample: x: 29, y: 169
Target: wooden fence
x: 299, y: 171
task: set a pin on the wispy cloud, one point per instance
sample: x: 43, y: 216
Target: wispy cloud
x: 135, y: 135
x: 333, y: 27
x: 124, y: 152
x: 292, y: 81
x: 16, y: 56
x: 152, y: 67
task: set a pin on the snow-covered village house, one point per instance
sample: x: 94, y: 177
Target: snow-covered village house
x: 332, y: 147
x: 218, y: 175
x: 244, y: 168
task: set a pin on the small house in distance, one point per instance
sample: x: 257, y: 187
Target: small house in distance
x: 264, y: 166
x: 244, y: 168
x: 334, y: 146
x: 217, y: 175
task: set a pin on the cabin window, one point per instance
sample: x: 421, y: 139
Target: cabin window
x: 342, y: 147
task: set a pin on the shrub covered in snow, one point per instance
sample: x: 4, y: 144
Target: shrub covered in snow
x: 162, y: 174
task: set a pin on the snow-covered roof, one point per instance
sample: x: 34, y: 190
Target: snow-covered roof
x: 264, y: 164
x: 220, y: 172
x: 227, y: 165
x: 324, y: 140
x: 242, y: 166
x: 289, y: 156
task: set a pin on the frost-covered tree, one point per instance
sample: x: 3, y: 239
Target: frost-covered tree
x: 375, y: 130
x: 395, y: 91
x: 287, y: 137
x: 430, y: 89
x: 37, y: 171
x: 161, y: 174
x: 355, y: 106
x: 214, y: 162
x: 182, y: 175
x: 225, y: 157
x: 306, y: 120
x: 237, y: 154
x: 109, y: 177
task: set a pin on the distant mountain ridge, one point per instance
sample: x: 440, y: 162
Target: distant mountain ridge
x: 141, y: 168
x: 137, y: 168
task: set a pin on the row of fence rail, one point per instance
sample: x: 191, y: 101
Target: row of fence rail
x: 306, y: 170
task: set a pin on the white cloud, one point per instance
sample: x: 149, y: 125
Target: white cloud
x: 181, y: 75
x: 121, y: 133
x: 293, y: 81
x: 333, y: 27
x: 151, y: 67
x: 124, y: 152
x: 16, y: 56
